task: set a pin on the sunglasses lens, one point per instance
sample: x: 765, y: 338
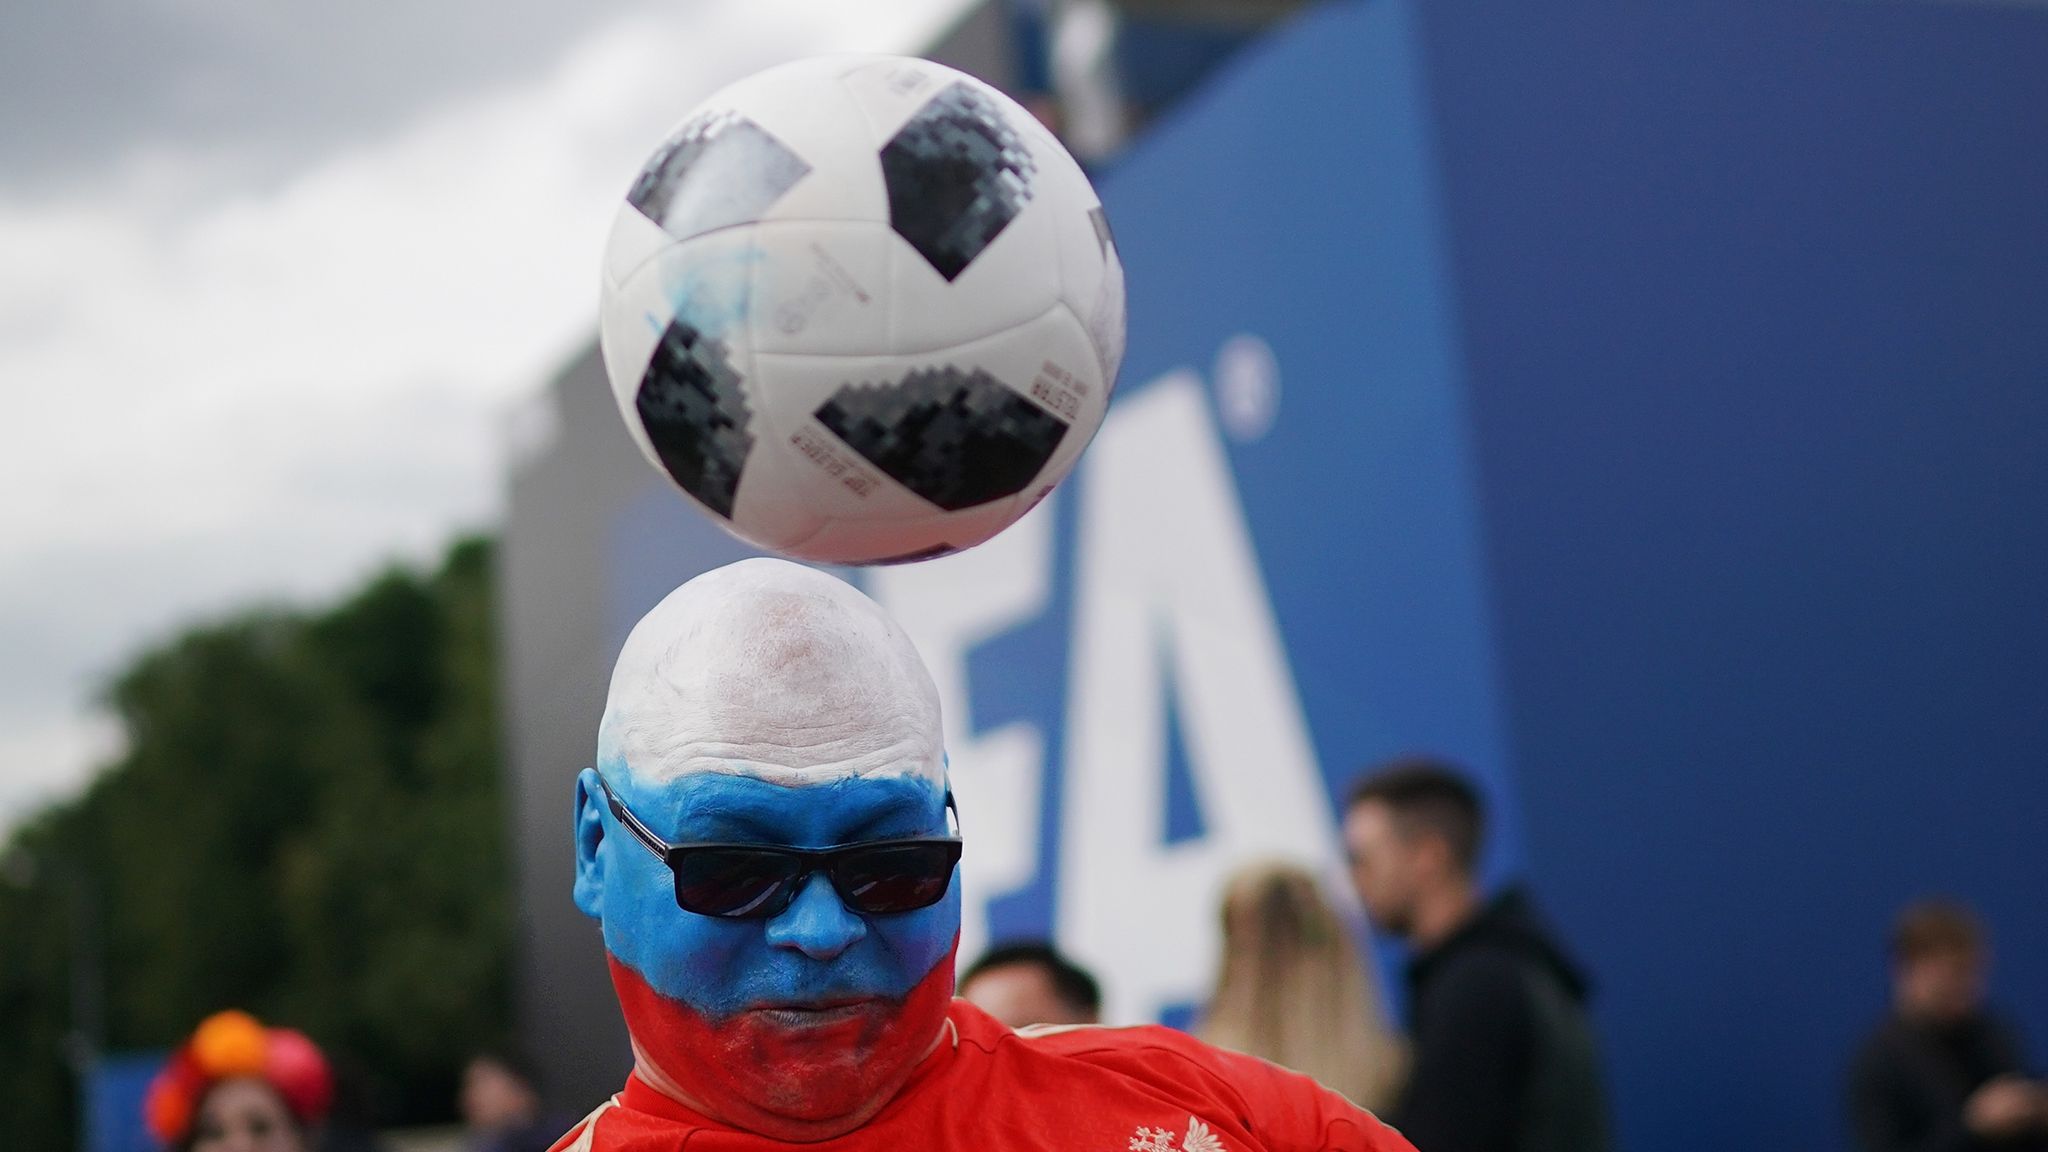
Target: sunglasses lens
x: 733, y: 881
x: 897, y: 878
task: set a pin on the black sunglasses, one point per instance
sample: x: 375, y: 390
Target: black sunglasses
x: 757, y: 881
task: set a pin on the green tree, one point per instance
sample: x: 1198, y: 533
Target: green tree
x: 307, y: 822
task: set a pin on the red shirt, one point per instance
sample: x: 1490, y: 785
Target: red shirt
x: 989, y: 1089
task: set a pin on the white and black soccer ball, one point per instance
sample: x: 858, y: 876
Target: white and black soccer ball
x: 862, y: 309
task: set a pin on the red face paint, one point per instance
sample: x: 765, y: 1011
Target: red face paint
x: 783, y: 1074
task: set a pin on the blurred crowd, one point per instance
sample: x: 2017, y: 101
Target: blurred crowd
x: 1498, y: 1051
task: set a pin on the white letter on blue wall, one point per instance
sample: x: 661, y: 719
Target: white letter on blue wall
x: 1169, y: 597
x: 948, y: 606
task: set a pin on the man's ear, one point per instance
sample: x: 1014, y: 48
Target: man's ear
x: 589, y: 890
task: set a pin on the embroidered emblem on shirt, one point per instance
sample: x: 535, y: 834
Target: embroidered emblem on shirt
x: 1198, y: 1139
x: 1153, y: 1140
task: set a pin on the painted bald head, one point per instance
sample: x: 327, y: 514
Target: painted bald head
x: 769, y: 706
x: 776, y: 671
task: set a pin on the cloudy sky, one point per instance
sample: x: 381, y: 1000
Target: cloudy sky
x: 274, y: 275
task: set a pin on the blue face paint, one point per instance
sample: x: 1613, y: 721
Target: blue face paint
x: 803, y: 1018
x: 816, y: 949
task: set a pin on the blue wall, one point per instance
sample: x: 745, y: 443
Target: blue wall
x: 1661, y: 391
x: 1755, y: 303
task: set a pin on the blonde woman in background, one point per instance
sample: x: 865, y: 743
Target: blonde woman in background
x: 1292, y: 989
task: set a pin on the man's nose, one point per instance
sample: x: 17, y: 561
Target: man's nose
x: 817, y: 923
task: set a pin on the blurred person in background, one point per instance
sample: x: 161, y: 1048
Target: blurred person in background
x: 237, y: 1086
x: 1943, y: 1073
x: 1503, y: 1052
x: 1030, y: 982
x: 1292, y: 990
x: 501, y: 1110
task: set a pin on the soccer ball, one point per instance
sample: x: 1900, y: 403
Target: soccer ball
x: 862, y: 309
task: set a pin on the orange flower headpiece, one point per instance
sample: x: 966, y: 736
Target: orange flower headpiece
x: 231, y: 1044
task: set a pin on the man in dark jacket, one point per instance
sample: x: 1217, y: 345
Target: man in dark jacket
x: 1504, y: 1055
x: 1942, y: 1073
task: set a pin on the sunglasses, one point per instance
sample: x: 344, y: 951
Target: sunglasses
x: 758, y: 881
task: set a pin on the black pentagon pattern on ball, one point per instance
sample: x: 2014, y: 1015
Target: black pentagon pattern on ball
x: 957, y: 174
x: 719, y: 169
x: 956, y: 438
x: 692, y: 407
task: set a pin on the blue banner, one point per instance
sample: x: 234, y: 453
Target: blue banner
x: 1641, y: 405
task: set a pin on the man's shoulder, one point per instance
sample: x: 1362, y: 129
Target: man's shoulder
x: 1148, y: 1075
x: 1890, y: 1052
x: 1144, y: 1059
x: 1480, y: 970
x: 1506, y: 950
x: 1087, y: 1041
x: 1093, y: 1044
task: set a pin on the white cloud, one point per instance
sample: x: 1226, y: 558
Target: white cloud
x: 266, y: 395
x: 65, y: 747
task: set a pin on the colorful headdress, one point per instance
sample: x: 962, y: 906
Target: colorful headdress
x: 227, y: 1045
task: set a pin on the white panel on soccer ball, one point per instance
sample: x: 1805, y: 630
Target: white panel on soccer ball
x: 779, y: 501
x: 891, y: 89
x: 634, y: 240
x: 1012, y: 281
x: 818, y: 289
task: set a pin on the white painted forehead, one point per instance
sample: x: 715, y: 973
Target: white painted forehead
x: 770, y: 669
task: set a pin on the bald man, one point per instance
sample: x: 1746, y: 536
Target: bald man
x: 769, y: 846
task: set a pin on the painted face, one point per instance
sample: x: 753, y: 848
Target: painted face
x: 766, y: 703
x: 811, y: 1017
